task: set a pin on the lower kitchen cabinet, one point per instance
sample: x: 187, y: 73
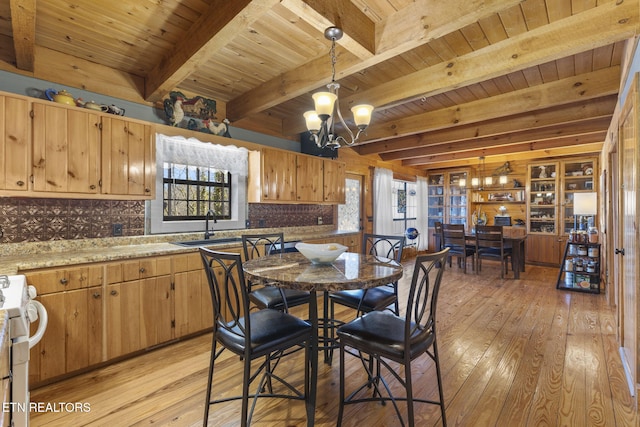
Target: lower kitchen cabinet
x: 193, y: 308
x: 138, y: 305
x: 73, y: 339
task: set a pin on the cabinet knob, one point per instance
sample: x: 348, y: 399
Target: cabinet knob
x: 96, y: 295
x: 20, y: 183
x: 92, y: 187
x: 63, y: 281
x: 114, y: 292
x: 147, y: 190
x: 142, y: 270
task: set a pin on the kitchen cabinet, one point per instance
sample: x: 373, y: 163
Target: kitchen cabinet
x: 447, y: 201
x: 66, y: 149
x: 128, y: 158
x: 335, y: 176
x: 15, y: 143
x: 54, y: 150
x: 138, y: 304
x: 193, y: 307
x: 280, y: 176
x: 73, y: 339
x: 309, y: 179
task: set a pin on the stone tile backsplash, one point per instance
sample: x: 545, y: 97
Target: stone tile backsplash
x: 38, y: 220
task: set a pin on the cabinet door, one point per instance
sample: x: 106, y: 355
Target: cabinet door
x: 542, y: 213
x: 191, y: 291
x: 123, y: 318
x: 334, y: 181
x: 14, y: 143
x: 48, y: 357
x: 278, y: 175
x: 577, y: 177
x: 128, y: 158
x: 155, y: 311
x: 83, y: 323
x: 66, y: 149
x: 309, y: 179
x: 543, y: 249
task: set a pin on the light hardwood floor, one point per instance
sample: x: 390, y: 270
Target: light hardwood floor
x: 514, y: 353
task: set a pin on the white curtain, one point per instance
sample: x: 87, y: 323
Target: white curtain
x: 422, y: 220
x: 382, y: 201
x: 177, y: 149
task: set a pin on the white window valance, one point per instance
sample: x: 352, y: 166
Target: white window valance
x: 177, y: 149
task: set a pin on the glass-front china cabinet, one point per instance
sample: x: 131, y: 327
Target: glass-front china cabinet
x: 447, y: 199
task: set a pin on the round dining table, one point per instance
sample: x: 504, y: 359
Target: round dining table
x: 294, y: 271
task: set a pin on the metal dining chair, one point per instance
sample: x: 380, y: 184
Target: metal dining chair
x: 382, y: 340
x: 255, y: 245
x: 381, y: 297
x: 267, y: 333
x: 453, y: 237
x: 490, y: 245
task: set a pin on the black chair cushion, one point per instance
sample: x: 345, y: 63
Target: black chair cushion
x: 382, y: 333
x: 374, y: 299
x: 271, y: 297
x: 270, y: 330
x: 493, y: 252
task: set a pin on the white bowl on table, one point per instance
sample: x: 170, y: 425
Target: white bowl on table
x: 321, y: 253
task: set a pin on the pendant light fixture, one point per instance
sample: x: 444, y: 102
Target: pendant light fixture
x: 321, y: 121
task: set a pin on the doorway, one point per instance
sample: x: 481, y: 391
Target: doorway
x: 351, y: 213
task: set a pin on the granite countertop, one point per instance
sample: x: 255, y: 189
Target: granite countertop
x: 15, y: 257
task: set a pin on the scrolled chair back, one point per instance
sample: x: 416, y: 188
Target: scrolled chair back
x: 386, y: 246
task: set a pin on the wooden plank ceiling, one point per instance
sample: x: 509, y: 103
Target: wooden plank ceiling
x: 450, y: 80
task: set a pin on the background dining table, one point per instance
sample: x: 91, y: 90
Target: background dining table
x: 294, y: 271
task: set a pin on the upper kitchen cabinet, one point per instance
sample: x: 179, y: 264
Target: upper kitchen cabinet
x: 309, y: 179
x: 14, y: 143
x: 55, y: 150
x: 279, y: 176
x: 66, y: 149
x: 335, y: 176
x: 128, y: 158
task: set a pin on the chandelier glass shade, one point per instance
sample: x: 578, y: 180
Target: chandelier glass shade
x: 321, y: 121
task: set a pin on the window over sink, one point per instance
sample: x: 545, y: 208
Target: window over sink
x: 198, y: 176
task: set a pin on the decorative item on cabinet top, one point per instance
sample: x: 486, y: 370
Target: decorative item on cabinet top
x: 197, y: 113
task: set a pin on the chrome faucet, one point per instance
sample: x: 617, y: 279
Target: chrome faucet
x: 210, y: 214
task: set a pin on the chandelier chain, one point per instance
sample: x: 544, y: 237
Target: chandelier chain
x: 332, y: 54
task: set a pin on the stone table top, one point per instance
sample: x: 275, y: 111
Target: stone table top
x: 349, y: 271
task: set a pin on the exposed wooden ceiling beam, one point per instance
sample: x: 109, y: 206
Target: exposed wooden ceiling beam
x: 595, y: 27
x: 512, y: 138
x: 359, y: 30
x: 579, y: 150
x: 415, y: 29
x: 212, y: 32
x: 23, y: 27
x: 600, y: 107
x: 595, y: 137
x: 561, y: 92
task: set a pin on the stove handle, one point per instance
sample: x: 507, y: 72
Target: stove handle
x: 42, y: 324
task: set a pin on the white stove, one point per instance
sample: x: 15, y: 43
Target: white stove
x: 16, y: 298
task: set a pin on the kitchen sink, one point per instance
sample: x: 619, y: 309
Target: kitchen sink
x: 208, y: 242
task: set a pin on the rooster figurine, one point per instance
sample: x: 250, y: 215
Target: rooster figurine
x: 174, y: 110
x: 218, y: 128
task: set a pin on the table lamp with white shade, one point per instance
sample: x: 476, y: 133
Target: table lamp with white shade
x: 584, y: 204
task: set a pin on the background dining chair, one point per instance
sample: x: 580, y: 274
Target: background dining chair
x: 385, y: 337
x: 437, y: 226
x: 490, y: 244
x: 255, y: 245
x: 453, y: 238
x: 251, y: 335
x: 381, y: 297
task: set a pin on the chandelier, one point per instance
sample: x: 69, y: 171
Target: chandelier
x: 321, y: 121
x: 483, y: 182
